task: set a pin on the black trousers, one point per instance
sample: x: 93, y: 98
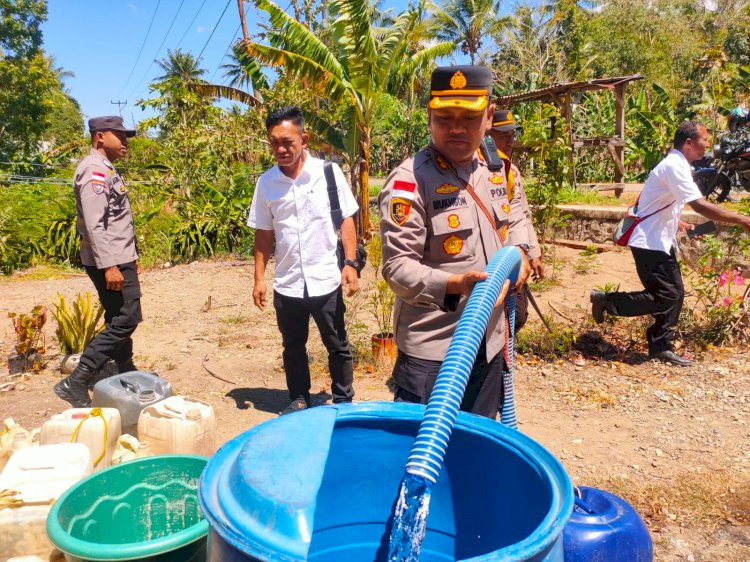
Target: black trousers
x: 415, y: 379
x: 661, y: 298
x: 122, y: 313
x: 293, y: 318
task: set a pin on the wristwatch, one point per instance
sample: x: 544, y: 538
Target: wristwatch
x: 352, y: 263
x: 525, y: 248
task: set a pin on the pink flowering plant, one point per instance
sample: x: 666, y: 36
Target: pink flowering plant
x: 714, y: 312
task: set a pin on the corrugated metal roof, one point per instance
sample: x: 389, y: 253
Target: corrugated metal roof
x: 564, y: 87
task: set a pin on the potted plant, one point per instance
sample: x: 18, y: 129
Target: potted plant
x: 77, y: 325
x: 380, y: 305
x: 30, y: 344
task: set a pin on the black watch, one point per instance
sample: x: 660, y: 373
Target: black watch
x: 352, y: 263
x: 525, y: 248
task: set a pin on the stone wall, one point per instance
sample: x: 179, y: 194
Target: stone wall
x: 596, y: 225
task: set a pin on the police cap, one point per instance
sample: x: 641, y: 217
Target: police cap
x: 503, y: 121
x: 468, y: 87
x: 109, y: 123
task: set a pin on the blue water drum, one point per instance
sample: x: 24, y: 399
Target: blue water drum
x: 321, y: 485
x: 606, y: 528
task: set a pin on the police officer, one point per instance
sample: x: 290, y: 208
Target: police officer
x: 444, y: 216
x: 109, y: 254
x: 503, y: 132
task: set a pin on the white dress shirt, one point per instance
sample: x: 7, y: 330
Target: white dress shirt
x: 299, y: 213
x: 670, y: 184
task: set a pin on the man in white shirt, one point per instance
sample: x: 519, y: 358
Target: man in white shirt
x: 291, y: 205
x: 667, y: 190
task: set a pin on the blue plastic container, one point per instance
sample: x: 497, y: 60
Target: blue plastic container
x: 605, y: 527
x: 320, y: 485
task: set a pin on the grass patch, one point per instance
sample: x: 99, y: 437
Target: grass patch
x: 536, y: 340
x: 702, y: 498
x: 45, y: 271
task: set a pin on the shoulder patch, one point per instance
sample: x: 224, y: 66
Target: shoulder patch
x: 98, y: 176
x: 403, y: 189
x: 98, y: 186
x: 400, y: 209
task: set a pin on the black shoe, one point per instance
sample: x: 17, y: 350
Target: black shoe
x: 598, y: 305
x: 669, y: 356
x: 298, y: 404
x: 74, y: 388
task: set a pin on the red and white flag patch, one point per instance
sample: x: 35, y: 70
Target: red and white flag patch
x: 403, y: 189
x: 98, y: 175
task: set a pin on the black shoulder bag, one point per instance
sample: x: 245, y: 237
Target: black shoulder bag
x: 337, y: 218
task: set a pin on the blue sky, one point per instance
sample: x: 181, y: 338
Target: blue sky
x: 99, y: 41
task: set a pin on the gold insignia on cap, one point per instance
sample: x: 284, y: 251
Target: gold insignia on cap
x: 458, y: 80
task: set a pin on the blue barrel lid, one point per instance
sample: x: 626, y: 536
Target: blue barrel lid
x: 259, y: 507
x: 259, y: 491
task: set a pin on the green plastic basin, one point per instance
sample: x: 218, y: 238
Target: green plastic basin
x: 145, y: 509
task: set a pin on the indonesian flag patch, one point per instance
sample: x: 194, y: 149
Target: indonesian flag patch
x: 400, y: 209
x: 98, y: 176
x: 403, y: 189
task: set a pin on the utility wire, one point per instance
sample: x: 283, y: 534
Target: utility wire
x: 140, y: 51
x: 214, y: 29
x: 153, y: 59
x: 225, y: 53
x: 190, y: 25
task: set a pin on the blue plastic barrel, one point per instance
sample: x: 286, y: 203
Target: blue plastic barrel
x: 321, y: 484
x: 605, y: 527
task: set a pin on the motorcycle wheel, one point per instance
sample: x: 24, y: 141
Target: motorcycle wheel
x: 713, y: 186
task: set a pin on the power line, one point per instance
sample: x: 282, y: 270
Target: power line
x: 190, y: 25
x: 143, y: 44
x: 214, y: 29
x: 177, y: 13
x: 225, y: 53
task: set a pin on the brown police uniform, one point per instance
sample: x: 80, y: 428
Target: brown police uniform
x: 105, y: 219
x: 431, y: 228
x: 105, y: 223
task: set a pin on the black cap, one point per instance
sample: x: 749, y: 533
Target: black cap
x: 468, y: 87
x: 109, y: 123
x: 503, y: 121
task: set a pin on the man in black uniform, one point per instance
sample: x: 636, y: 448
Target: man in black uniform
x: 109, y: 254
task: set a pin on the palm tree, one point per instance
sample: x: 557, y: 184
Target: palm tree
x: 360, y: 63
x: 467, y: 22
x: 182, y: 66
x: 243, y: 70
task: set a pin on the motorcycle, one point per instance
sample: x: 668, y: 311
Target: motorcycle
x: 728, y: 168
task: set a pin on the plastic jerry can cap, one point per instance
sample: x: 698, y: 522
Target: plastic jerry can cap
x: 146, y: 396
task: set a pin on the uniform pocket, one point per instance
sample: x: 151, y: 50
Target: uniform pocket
x: 501, y: 210
x: 451, y: 231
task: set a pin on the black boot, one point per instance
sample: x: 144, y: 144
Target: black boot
x: 126, y: 367
x: 74, y: 388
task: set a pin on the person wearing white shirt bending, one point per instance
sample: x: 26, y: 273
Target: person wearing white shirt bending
x: 291, y: 206
x: 667, y: 190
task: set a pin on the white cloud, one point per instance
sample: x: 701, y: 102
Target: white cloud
x: 201, y: 29
x: 131, y: 6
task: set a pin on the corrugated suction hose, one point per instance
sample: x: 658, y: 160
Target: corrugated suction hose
x: 428, y: 451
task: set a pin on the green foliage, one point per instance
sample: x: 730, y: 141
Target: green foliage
x: 535, y: 339
x: 545, y: 136
x: 20, y: 27
x: 381, y: 300
x: 77, y: 324
x: 714, y: 312
x: 213, y: 222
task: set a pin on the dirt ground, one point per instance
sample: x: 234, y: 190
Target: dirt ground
x: 673, y: 441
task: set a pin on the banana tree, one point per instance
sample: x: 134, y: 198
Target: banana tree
x: 360, y: 62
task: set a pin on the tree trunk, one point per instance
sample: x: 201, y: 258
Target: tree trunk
x: 363, y: 221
